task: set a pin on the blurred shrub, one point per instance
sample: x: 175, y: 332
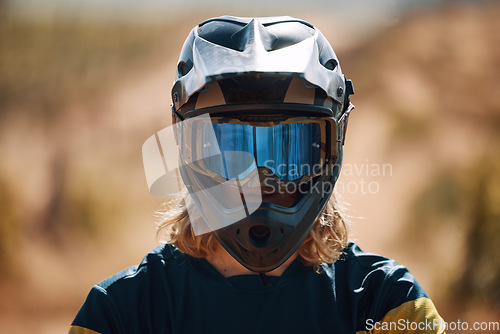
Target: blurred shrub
x: 9, y: 233
x: 78, y: 206
x: 47, y: 68
x: 433, y: 77
x: 44, y: 65
x: 408, y: 126
x: 466, y: 200
x: 434, y: 62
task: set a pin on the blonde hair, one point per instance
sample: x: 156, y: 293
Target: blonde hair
x: 324, y: 243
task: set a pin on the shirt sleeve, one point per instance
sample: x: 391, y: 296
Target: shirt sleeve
x: 402, y: 306
x: 98, y: 315
x: 414, y: 316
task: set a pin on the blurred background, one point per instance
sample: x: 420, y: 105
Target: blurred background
x: 84, y: 84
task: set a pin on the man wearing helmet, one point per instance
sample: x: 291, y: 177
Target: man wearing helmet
x: 257, y: 244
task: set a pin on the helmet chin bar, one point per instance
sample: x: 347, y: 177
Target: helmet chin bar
x: 284, y: 238
x: 266, y: 237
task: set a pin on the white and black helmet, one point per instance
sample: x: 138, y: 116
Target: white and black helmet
x: 263, y: 106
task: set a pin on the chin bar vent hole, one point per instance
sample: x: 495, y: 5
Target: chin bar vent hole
x: 260, y: 235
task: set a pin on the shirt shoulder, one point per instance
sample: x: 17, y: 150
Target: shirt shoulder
x: 356, y: 267
x: 115, y: 304
x: 382, y: 290
x: 160, y: 257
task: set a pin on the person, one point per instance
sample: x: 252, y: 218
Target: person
x: 256, y: 242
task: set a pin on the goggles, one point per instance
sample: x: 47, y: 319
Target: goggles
x: 293, y: 149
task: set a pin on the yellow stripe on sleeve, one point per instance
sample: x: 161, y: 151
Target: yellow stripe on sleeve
x: 415, y: 316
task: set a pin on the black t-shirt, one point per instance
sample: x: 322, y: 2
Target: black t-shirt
x: 170, y: 292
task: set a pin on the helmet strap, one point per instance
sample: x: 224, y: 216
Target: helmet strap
x: 265, y: 280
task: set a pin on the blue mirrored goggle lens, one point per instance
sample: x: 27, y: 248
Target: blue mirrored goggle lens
x: 289, y: 151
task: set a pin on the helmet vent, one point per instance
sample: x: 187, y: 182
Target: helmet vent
x: 183, y: 68
x: 331, y: 64
x: 254, y: 33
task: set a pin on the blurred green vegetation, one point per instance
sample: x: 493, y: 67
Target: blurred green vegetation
x: 9, y: 233
x: 408, y: 126
x: 78, y: 206
x: 433, y: 78
x: 466, y: 200
x: 445, y: 67
x: 46, y: 65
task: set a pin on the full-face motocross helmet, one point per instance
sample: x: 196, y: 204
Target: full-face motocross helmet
x: 261, y: 106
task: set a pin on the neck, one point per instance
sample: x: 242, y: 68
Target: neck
x: 227, y: 266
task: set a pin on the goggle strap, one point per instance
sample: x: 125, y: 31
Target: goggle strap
x: 344, y: 119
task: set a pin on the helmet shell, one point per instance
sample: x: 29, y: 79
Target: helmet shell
x: 231, y: 47
x: 251, y: 61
